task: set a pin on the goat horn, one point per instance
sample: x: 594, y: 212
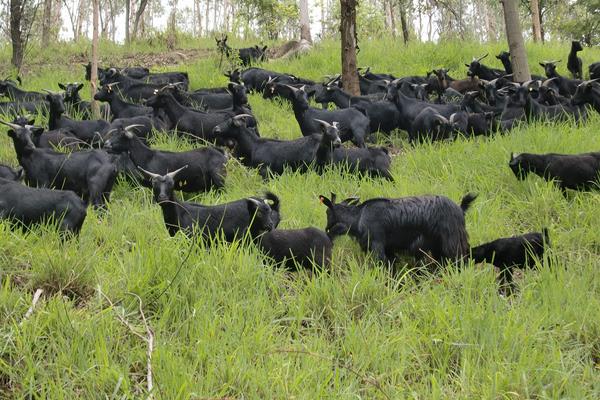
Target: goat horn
x: 324, y: 123
x: 172, y: 174
x: 49, y: 91
x: 110, y: 85
x: 585, y: 83
x: 150, y: 174
x: 133, y: 126
x: 10, y: 124
x: 240, y: 116
x: 547, y: 81
x: 291, y: 87
x: 482, y: 57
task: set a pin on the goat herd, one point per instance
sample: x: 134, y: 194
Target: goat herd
x: 75, y: 162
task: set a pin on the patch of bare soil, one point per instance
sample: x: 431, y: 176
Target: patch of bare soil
x: 168, y: 58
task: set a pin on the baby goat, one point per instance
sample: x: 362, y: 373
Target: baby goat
x: 512, y: 252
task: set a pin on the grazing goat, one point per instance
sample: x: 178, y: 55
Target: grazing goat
x: 90, y: 174
x: 429, y: 124
x: 205, y: 167
x: 247, y: 55
x: 231, y: 220
x: 28, y: 206
x: 308, y: 247
x: 9, y: 89
x: 512, y: 252
x: 594, y: 70
x: 473, y: 123
x: 416, y: 224
x: 574, y: 63
x: 272, y: 155
x: 10, y: 173
x: 353, y: 124
x: 576, y: 172
x: 255, y: 79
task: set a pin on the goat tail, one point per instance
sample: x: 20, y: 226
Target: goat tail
x: 466, y: 201
x: 274, y: 199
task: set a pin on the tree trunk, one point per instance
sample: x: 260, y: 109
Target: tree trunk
x: 127, y: 15
x: 348, y: 34
x: 46, y: 23
x: 403, y: 23
x: 94, y: 72
x: 515, y: 41
x: 535, y: 17
x: 138, y: 17
x: 304, y: 21
x: 16, y: 16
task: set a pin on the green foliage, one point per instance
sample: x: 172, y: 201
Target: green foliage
x: 229, y: 324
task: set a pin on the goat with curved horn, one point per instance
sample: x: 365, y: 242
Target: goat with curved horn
x: 148, y: 173
x: 480, y: 58
x: 10, y: 124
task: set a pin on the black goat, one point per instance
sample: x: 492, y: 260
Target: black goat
x: 120, y: 108
x: 415, y: 224
x: 90, y: 174
x: 594, y: 70
x: 206, y: 166
x: 512, y: 252
x: 247, y: 55
x: 255, y: 79
x: 566, y: 86
x: 9, y: 89
x: 409, y: 108
x: 50, y: 139
x: 88, y: 131
x: 231, y: 220
x: 133, y: 89
x: 272, y: 155
x: 75, y: 104
x: 574, y: 63
x: 10, y: 173
x: 353, y: 124
x: 577, y: 171
x: 476, y: 68
x: 29, y: 206
x: 504, y: 58
x: 370, y: 161
x: 430, y: 124
x: 588, y: 92
x: 383, y: 115
x: 473, y: 123
x: 308, y: 247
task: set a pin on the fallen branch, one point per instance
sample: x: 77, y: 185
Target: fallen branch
x: 36, y: 298
x: 149, y: 339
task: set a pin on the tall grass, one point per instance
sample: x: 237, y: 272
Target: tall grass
x: 229, y: 324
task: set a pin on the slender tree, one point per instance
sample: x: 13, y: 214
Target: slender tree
x: 304, y: 21
x: 349, y: 44
x: 535, y: 20
x: 516, y: 45
x: 94, y: 72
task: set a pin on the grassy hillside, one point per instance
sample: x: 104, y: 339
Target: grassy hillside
x: 227, y: 324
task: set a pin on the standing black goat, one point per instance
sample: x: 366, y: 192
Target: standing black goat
x: 415, y: 224
x: 476, y: 68
x: 206, y: 166
x: 353, y: 124
x: 577, y: 171
x: 247, y: 55
x: 566, y: 87
x: 90, y: 174
x: 231, y: 220
x: 574, y: 63
x: 28, y: 206
x: 512, y: 252
x: 88, y: 131
x: 272, y: 155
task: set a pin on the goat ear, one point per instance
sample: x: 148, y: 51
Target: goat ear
x: 80, y: 86
x: 467, y: 65
x: 231, y: 86
x: 31, y: 121
x: 252, y: 205
x: 324, y: 200
x: 37, y: 130
x: 60, y: 85
x: 264, y: 49
x: 20, y: 173
x: 543, y: 65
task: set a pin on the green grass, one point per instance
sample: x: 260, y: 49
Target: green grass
x: 227, y: 324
